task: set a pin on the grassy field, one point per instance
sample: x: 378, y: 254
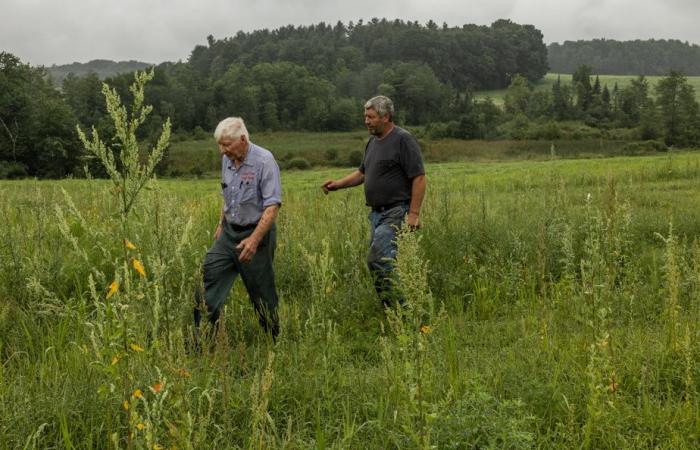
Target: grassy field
x: 622, y: 81
x: 555, y: 304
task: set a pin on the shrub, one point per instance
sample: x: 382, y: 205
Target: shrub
x: 640, y: 148
x: 331, y: 154
x: 355, y: 158
x: 298, y: 163
x: 12, y: 169
x: 199, y: 134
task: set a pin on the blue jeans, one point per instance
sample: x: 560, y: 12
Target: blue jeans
x: 382, y: 252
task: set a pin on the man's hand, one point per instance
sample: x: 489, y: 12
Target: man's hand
x: 413, y: 221
x: 328, y: 186
x: 247, y: 248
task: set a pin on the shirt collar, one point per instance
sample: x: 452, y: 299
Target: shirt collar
x: 247, y: 161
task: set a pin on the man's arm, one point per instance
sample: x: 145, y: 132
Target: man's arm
x: 249, y: 246
x: 220, y: 226
x: 417, y: 195
x: 351, y: 180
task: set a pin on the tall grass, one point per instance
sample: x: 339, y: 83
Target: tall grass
x: 552, y: 306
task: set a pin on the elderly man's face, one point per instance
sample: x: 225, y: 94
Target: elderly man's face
x: 375, y: 124
x: 233, y: 148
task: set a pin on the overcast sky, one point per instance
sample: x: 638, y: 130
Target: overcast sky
x: 63, y: 31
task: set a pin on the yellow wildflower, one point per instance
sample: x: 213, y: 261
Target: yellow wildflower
x: 128, y: 244
x: 136, y: 348
x: 184, y: 373
x: 139, y: 267
x: 158, y: 447
x: 113, y: 288
x: 125, y: 405
x: 140, y: 426
x: 425, y: 329
x: 115, y: 359
x: 138, y: 393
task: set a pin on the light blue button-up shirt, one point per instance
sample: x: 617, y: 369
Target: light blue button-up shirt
x: 251, y: 188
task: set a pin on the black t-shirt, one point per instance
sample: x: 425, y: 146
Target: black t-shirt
x: 389, y: 166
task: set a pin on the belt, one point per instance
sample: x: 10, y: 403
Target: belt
x: 239, y: 228
x: 384, y: 208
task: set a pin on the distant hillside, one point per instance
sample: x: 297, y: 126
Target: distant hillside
x: 610, y: 57
x: 102, y: 67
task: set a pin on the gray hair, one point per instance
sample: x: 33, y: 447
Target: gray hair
x: 232, y: 128
x: 383, y: 105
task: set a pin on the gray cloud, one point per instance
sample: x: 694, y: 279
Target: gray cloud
x: 47, y: 32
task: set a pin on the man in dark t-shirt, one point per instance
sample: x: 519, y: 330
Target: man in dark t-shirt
x: 394, y: 178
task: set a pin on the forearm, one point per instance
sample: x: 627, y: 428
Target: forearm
x: 354, y: 179
x: 417, y: 194
x: 266, y: 221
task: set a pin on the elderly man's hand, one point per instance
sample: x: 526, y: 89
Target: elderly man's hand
x: 247, y: 248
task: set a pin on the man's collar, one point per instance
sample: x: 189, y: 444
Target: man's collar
x: 246, y: 160
x: 391, y: 130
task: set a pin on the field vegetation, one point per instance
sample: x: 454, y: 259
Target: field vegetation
x: 555, y: 305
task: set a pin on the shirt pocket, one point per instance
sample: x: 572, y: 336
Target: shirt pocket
x: 385, y: 166
x: 249, y: 193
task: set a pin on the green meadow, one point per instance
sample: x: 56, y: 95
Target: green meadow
x: 554, y: 304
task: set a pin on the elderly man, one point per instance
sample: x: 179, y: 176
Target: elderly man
x: 244, y: 240
x: 394, y: 178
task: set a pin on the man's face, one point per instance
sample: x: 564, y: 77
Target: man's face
x: 233, y: 148
x: 375, y: 124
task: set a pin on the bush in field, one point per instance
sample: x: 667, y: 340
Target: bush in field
x: 299, y: 164
x: 331, y: 154
x: 12, y: 169
x: 640, y: 148
x: 199, y: 134
x: 355, y: 158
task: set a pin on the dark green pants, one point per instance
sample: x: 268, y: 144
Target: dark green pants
x: 221, y: 267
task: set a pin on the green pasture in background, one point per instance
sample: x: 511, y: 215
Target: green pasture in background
x: 622, y: 81
x: 304, y: 150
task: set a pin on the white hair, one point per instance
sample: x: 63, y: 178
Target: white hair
x: 232, y: 128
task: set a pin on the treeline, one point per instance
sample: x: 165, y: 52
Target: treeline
x: 101, y: 67
x: 316, y: 77
x: 611, y: 57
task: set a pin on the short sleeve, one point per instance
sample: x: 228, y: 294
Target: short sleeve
x: 410, y: 156
x: 362, y: 164
x: 270, y: 183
